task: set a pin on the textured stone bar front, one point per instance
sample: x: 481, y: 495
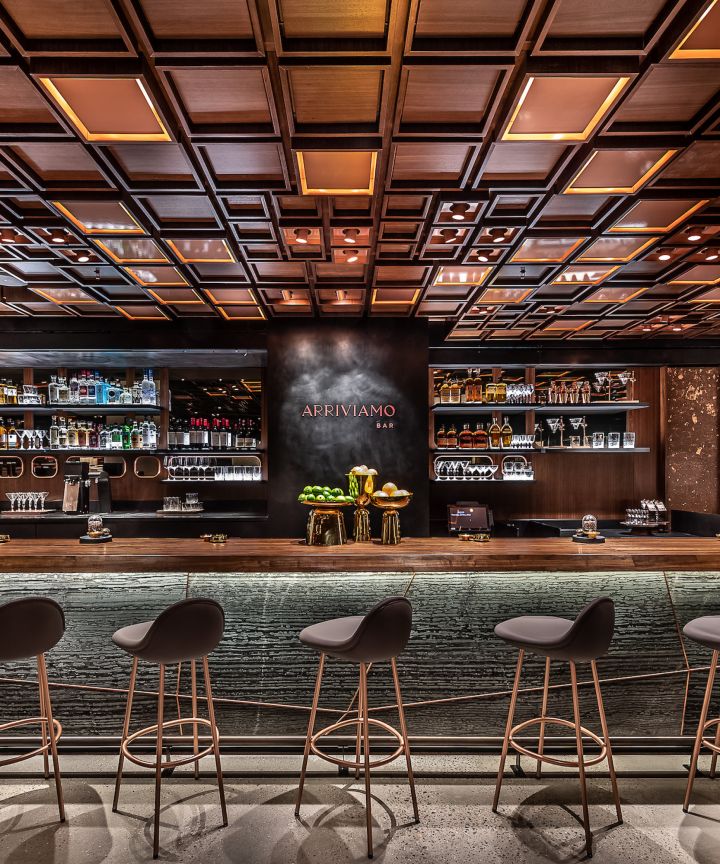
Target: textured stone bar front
x: 452, y: 656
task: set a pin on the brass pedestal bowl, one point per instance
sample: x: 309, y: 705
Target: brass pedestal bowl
x: 326, y: 523
x: 391, y: 519
x: 361, y: 487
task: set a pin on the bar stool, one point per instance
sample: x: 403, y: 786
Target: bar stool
x: 705, y: 631
x: 377, y: 637
x: 188, y: 630
x: 30, y: 627
x: 586, y: 638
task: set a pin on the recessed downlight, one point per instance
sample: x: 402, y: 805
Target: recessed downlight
x: 302, y: 235
x: 459, y: 211
x: 350, y: 235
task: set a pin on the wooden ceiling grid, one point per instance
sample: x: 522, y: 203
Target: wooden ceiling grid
x: 518, y: 171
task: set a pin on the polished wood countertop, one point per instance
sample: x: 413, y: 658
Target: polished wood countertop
x: 428, y: 554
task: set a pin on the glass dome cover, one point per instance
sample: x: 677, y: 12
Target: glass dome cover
x: 589, y: 523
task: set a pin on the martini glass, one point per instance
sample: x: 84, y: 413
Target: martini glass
x: 579, y: 423
x: 12, y: 498
x: 555, y: 424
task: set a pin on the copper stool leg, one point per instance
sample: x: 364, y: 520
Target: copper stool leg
x: 216, y: 740
x: 158, y: 760
x: 581, y: 759
x: 126, y: 732
x: 43, y: 725
x: 177, y: 696
x: 701, y: 729
x: 366, y: 755
x: 404, y: 732
x: 713, y: 763
x: 194, y: 702
x: 508, y: 727
x: 310, y: 731
x: 42, y: 669
x: 358, y: 733
x: 543, y: 713
x: 606, y: 738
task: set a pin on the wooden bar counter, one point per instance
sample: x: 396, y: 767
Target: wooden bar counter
x: 422, y: 554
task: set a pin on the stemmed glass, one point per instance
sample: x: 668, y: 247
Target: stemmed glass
x: 43, y: 496
x: 556, y: 425
x: 12, y: 498
x: 579, y: 423
x: 22, y: 500
x: 601, y: 378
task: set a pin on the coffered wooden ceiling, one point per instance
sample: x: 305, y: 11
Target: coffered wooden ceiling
x: 511, y: 169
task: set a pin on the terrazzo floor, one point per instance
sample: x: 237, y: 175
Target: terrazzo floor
x: 537, y: 821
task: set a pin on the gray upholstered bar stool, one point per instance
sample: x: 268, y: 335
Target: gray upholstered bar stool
x: 584, y: 639
x: 30, y: 627
x: 188, y: 630
x: 377, y: 637
x: 705, y: 631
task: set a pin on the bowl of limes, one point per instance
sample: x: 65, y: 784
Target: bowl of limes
x: 327, y: 497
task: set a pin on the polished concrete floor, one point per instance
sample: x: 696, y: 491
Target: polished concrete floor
x: 537, y: 822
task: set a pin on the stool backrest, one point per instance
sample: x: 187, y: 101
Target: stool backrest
x: 29, y: 626
x: 383, y: 633
x: 592, y: 632
x: 186, y: 630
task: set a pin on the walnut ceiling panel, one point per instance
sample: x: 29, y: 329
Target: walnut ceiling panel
x: 524, y: 170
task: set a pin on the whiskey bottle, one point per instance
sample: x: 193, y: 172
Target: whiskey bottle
x: 465, y: 439
x: 480, y: 438
x: 445, y: 391
x: 93, y: 436
x: 82, y: 435
x: 53, y: 390
x: 72, y: 436
x: 441, y: 437
x: 506, y: 434
x: 539, y: 443
x: 495, y: 435
x: 501, y: 391
x: 452, y: 437
x: 54, y: 434
x: 62, y: 435
x: 455, y: 391
x: 135, y: 436
x: 477, y: 387
x: 3, y: 435
x: 469, y: 388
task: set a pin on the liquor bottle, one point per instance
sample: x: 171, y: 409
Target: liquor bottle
x: 465, y: 438
x: 495, y: 435
x: 445, y: 391
x: 455, y: 391
x: 136, y: 392
x: 469, y: 388
x: 62, y: 435
x: 215, y: 434
x: 145, y: 435
x: 452, y: 437
x: 153, y: 434
x: 506, y: 434
x: 53, y: 390
x: 73, y: 388
x: 12, y: 436
x: 3, y: 435
x: 147, y: 388
x: 26, y: 439
x: 54, y: 434
x: 501, y: 391
x: 116, y: 438
x: 477, y: 388
x: 539, y: 443
x: 184, y: 440
x: 63, y: 392
x: 480, y: 438
x: 72, y: 435
x: 37, y: 441
x: 93, y: 436
x: 104, y: 437
x: 126, y: 436
x: 45, y: 439
x: 82, y: 435
x: 135, y: 436
x: 441, y: 437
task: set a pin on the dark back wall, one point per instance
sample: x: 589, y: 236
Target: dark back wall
x: 346, y: 364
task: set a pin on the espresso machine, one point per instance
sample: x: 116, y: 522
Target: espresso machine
x: 87, y: 488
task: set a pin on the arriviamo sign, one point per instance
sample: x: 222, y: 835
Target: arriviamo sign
x: 381, y: 412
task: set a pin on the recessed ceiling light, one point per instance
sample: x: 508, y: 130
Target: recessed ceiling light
x: 350, y: 235
x: 712, y: 256
x: 693, y: 234
x: 647, y: 329
x: 497, y: 234
x: 676, y: 329
x: 84, y: 258
x: 57, y: 236
x: 302, y: 235
x: 664, y: 257
x: 449, y: 235
x: 352, y: 255
x: 482, y: 258
x: 459, y: 211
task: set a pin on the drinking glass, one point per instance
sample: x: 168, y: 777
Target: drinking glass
x: 257, y: 472
x: 613, y: 439
x: 628, y: 439
x: 12, y: 498
x: 598, y: 440
x: 43, y: 496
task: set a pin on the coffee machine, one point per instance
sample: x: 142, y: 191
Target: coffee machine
x: 87, y: 488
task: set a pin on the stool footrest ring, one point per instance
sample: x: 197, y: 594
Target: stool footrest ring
x: 169, y: 724
x: 357, y: 722
x: 709, y: 744
x: 550, y: 760
x: 30, y: 721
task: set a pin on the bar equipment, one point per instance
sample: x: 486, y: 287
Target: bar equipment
x: 76, y: 490
x: 361, y: 486
x: 628, y: 440
x: 598, y: 440
x: 649, y: 517
x: 588, y: 531
x: 613, y: 440
x: 555, y: 425
x: 580, y: 423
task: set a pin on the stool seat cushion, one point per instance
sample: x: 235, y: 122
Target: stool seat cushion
x: 705, y: 631
x: 132, y: 638
x: 380, y: 635
x: 536, y: 633
x: 187, y: 630
x: 332, y: 636
x: 586, y: 638
x: 29, y: 626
